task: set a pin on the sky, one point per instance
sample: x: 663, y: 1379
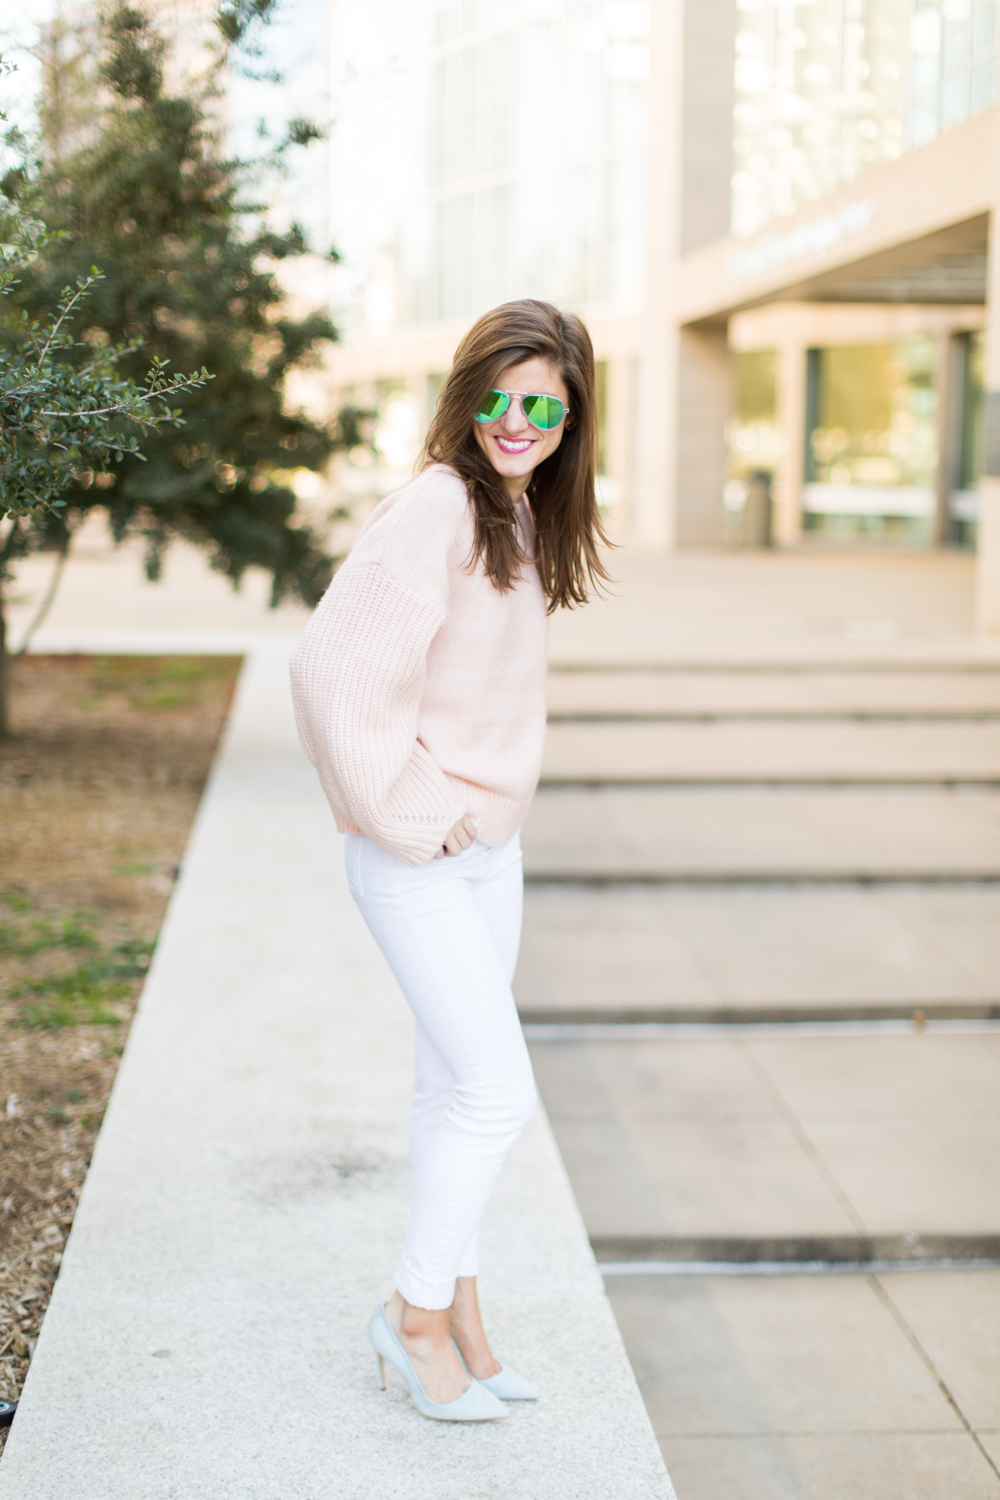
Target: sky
x: 18, y: 34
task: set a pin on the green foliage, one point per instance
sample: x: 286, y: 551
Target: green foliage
x: 60, y: 414
x: 89, y: 995
x: 56, y: 415
x: 16, y: 900
x: 92, y: 992
x: 236, y: 19
x: 188, y: 280
x: 150, y: 683
x: 41, y: 935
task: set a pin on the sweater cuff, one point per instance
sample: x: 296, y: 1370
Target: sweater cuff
x: 415, y: 837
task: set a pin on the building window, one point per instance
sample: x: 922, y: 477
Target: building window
x: 827, y: 89
x: 871, y: 449
x: 752, y: 437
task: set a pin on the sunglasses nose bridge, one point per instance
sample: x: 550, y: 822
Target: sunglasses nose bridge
x: 514, y: 419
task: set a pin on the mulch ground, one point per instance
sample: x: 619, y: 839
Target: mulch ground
x: 99, y: 784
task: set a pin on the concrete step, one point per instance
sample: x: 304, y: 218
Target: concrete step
x: 747, y: 752
x: 765, y: 1385
x: 781, y: 952
x: 775, y: 1136
x: 762, y: 833
x: 789, y: 1387
x: 795, y: 691
x: 776, y: 607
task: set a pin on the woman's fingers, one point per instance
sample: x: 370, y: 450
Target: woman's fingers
x: 458, y: 838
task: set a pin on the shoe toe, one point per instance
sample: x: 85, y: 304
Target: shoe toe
x: 477, y: 1404
x: 510, y: 1386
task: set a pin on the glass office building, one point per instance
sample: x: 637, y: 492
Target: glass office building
x: 826, y: 89
x: 535, y: 167
x: 775, y: 216
x: 507, y: 145
x: 831, y: 99
x: 483, y: 150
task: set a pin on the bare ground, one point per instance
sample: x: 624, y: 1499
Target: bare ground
x: 99, y: 785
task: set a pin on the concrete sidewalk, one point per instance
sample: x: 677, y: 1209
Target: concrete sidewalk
x: 247, y: 1201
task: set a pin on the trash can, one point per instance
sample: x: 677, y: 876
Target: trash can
x: 757, y: 510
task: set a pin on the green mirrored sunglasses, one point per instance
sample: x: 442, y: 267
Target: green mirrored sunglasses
x: 543, y: 412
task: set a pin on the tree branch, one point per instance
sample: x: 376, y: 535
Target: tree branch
x: 50, y: 594
x: 82, y: 289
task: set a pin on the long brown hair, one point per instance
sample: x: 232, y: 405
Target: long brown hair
x: 561, y: 491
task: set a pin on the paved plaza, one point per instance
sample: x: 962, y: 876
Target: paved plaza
x: 761, y: 978
x: 761, y: 971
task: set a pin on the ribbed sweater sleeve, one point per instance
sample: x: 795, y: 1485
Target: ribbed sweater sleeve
x: 357, y: 681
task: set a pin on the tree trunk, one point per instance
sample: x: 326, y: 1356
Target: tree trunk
x: 4, y: 676
x: 8, y: 551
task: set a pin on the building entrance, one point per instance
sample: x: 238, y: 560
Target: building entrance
x: 870, y: 424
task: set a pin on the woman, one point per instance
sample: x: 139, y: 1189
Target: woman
x: 420, y: 696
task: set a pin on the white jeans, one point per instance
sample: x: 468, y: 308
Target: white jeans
x: 450, y: 930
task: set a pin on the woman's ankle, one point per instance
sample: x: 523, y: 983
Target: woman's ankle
x: 466, y: 1328
x: 418, y: 1322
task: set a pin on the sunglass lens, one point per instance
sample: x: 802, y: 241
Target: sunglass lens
x: 544, y: 412
x: 495, y: 404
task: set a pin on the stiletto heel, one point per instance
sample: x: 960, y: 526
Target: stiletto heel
x: 506, y: 1383
x: 474, y: 1405
x: 381, y: 1370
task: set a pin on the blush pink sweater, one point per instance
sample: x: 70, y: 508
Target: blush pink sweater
x: 419, y: 689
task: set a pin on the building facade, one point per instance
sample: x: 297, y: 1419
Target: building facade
x: 776, y: 218
x: 485, y: 150
x: 853, y: 287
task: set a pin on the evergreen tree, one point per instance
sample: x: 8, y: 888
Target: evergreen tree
x: 189, y: 280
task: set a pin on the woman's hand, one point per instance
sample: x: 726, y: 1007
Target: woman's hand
x: 458, y: 838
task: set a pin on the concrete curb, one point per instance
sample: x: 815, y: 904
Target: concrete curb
x: 206, y: 1337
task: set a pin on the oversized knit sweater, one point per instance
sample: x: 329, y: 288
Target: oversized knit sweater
x: 419, y: 688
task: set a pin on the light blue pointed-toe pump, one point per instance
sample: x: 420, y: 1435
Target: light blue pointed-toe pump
x: 477, y: 1404
x: 506, y: 1383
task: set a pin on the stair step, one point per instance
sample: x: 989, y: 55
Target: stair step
x: 743, y: 833
x: 768, y: 692
x: 834, y: 753
x: 764, y: 952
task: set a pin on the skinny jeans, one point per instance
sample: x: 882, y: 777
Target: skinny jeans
x: 450, y: 931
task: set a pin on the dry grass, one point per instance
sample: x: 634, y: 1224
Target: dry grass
x: 98, y: 788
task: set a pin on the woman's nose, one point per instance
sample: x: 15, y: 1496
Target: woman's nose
x: 513, y: 419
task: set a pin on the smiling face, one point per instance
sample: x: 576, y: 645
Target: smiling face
x: 511, y: 444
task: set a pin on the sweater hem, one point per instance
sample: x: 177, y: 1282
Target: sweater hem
x: 497, y: 819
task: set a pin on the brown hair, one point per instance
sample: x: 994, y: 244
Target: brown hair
x: 561, y: 490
